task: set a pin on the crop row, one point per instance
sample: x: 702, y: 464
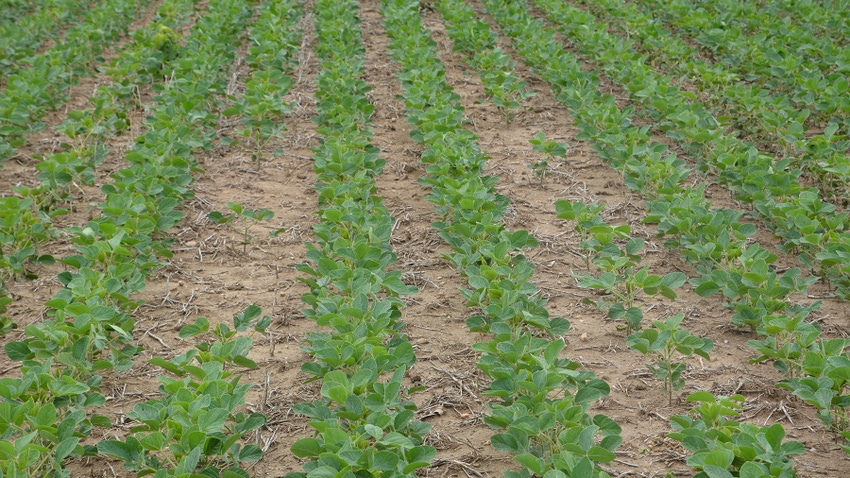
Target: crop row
x: 262, y: 107
x: 31, y: 92
x: 23, y: 37
x: 12, y: 9
x: 783, y: 35
x: 757, y: 294
x: 494, y: 66
x: 810, y: 227
x: 26, y: 221
x: 779, y: 55
x: 772, y: 121
x: 542, y: 413
x: 90, y: 326
x: 364, y: 425
x: 833, y: 22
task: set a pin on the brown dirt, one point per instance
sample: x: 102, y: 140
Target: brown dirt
x: 211, y: 276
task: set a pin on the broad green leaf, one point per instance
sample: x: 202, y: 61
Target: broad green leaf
x: 119, y: 449
x: 674, y: 280
x: 701, y: 396
x: 601, y: 455
x: 200, y: 326
x: 751, y: 469
x: 234, y: 472
x: 720, y: 458
x: 338, y: 394
x: 707, y: 289
x: 161, y: 362
x: 17, y: 351
x: 306, y: 448
x: 531, y: 462
x: 67, y: 386
x: 395, y: 438
x: 101, y: 421
x: 250, y: 453
x: 244, y: 361
x: 374, y: 432
x: 714, y: 471
x: 421, y: 454
x: 66, y: 447
x: 385, y: 461
x: 505, y: 442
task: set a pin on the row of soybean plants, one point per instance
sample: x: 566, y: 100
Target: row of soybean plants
x: 22, y: 37
x: 810, y: 227
x: 195, y: 424
x: 364, y: 424
x: 33, y: 91
x: 261, y: 107
x: 773, y: 52
x: 712, y: 239
x: 542, y: 414
x: 495, y: 68
x: 16, y: 8
x: 769, y: 119
x: 26, y: 219
x: 622, y: 276
x: 824, y: 20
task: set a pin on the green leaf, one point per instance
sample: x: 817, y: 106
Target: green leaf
x: 161, y: 362
x: 101, y: 421
x: 243, y: 320
x: 244, y: 361
x: 153, y: 441
x: 250, y: 453
x: 421, y: 454
x: 66, y: 447
x: 235, y: 472
x: 720, y: 458
x: 119, y: 449
x: 306, y: 448
x: 752, y: 469
x: 67, y: 386
x: 219, y: 218
x: 674, y: 280
x: 395, y: 438
x: 553, y: 350
x: 385, y: 461
x: 323, y: 471
x: 701, y: 396
x: 601, y: 455
x: 531, y: 462
x: 236, y: 207
x: 256, y: 420
x: 17, y: 351
x: 189, y: 462
x: 338, y: 394
x: 714, y: 471
x: 505, y: 442
x: 200, y: 326
x: 707, y: 289
x: 374, y: 432
x: 45, y: 259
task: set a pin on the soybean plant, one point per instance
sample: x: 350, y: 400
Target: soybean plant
x: 663, y: 343
x: 247, y: 218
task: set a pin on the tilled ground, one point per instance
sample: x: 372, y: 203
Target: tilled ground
x: 214, y: 275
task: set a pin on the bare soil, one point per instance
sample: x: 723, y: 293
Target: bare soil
x: 213, y: 275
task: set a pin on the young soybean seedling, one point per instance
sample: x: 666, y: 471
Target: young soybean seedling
x: 551, y: 150
x: 247, y: 219
x: 664, y: 342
